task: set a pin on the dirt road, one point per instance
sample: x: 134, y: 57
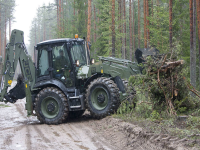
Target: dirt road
x: 19, y: 132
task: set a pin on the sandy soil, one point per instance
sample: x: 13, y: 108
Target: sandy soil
x: 18, y: 132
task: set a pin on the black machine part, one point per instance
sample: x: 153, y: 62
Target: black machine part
x: 120, y: 84
x: 141, y: 54
x: 18, y: 92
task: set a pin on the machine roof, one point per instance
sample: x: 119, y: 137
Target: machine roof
x: 62, y: 40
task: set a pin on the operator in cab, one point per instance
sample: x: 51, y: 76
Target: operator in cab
x: 61, y: 61
x: 62, y: 65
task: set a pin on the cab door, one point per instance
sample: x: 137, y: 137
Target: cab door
x: 62, y: 67
x: 42, y: 72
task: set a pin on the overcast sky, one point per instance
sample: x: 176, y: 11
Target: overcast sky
x: 24, y: 13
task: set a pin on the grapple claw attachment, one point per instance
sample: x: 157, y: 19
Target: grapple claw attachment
x: 18, y: 92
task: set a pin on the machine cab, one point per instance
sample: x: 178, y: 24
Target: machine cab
x: 56, y: 60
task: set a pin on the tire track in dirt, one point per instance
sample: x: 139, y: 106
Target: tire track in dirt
x: 100, y: 142
x: 28, y: 139
x: 45, y: 139
x: 78, y: 136
x: 7, y: 140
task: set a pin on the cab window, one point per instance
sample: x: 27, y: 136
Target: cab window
x: 43, y: 62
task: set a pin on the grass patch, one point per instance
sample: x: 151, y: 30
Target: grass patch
x: 3, y: 105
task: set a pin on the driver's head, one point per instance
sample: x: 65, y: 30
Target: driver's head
x: 61, y: 52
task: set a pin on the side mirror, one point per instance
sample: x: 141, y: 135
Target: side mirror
x: 92, y: 61
x: 77, y: 63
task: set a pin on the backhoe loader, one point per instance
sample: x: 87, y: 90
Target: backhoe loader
x: 63, y: 81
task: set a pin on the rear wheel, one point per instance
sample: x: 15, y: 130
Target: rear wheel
x: 102, y: 97
x: 51, y: 106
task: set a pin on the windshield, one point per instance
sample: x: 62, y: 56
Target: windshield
x: 78, y: 53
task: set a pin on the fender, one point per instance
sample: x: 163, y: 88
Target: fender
x: 94, y: 76
x: 56, y: 83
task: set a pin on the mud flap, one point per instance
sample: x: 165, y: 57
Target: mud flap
x: 120, y: 84
x: 18, y: 92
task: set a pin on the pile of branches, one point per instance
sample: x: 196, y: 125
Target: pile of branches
x: 163, y: 82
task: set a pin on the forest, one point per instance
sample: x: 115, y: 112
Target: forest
x: 118, y: 27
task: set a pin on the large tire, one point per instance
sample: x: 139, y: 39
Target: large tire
x: 76, y: 114
x: 51, y: 106
x: 102, y: 97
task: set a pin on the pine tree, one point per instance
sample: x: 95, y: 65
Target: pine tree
x: 130, y: 31
x: 139, y: 24
x: 170, y: 23
x: 89, y: 22
x: 113, y: 28
x: 198, y: 24
x: 192, y: 63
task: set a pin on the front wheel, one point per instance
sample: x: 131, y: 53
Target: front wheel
x: 51, y: 106
x: 102, y: 97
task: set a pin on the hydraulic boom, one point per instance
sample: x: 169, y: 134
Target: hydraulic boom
x: 16, y: 51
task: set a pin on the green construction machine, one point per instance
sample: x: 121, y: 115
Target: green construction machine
x: 63, y: 81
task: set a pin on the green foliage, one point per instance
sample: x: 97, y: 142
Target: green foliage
x: 159, y: 91
x: 125, y: 108
x: 3, y: 105
x: 154, y: 115
x: 103, y: 42
x: 143, y: 110
x: 80, y: 18
x: 193, y: 122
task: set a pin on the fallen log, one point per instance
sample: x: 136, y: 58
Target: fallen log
x: 169, y: 65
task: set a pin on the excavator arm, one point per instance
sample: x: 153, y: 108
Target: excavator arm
x: 16, y: 51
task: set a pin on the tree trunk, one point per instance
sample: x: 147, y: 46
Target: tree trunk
x: 148, y: 33
x: 89, y: 23
x: 95, y: 28
x: 62, y: 18
x: 9, y: 27
x: 170, y: 24
x: 74, y: 17
x: 0, y: 34
x: 157, y: 3
x: 4, y: 49
x: 133, y: 30
x: 35, y: 34
x: 152, y: 8
x: 60, y: 30
x: 120, y: 25
x: 192, y: 65
x: 194, y: 41
x: 145, y: 24
x: 198, y: 21
x: 44, y: 32
x: 130, y: 30
x: 124, y: 29
x: 138, y: 23
x: 113, y: 28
